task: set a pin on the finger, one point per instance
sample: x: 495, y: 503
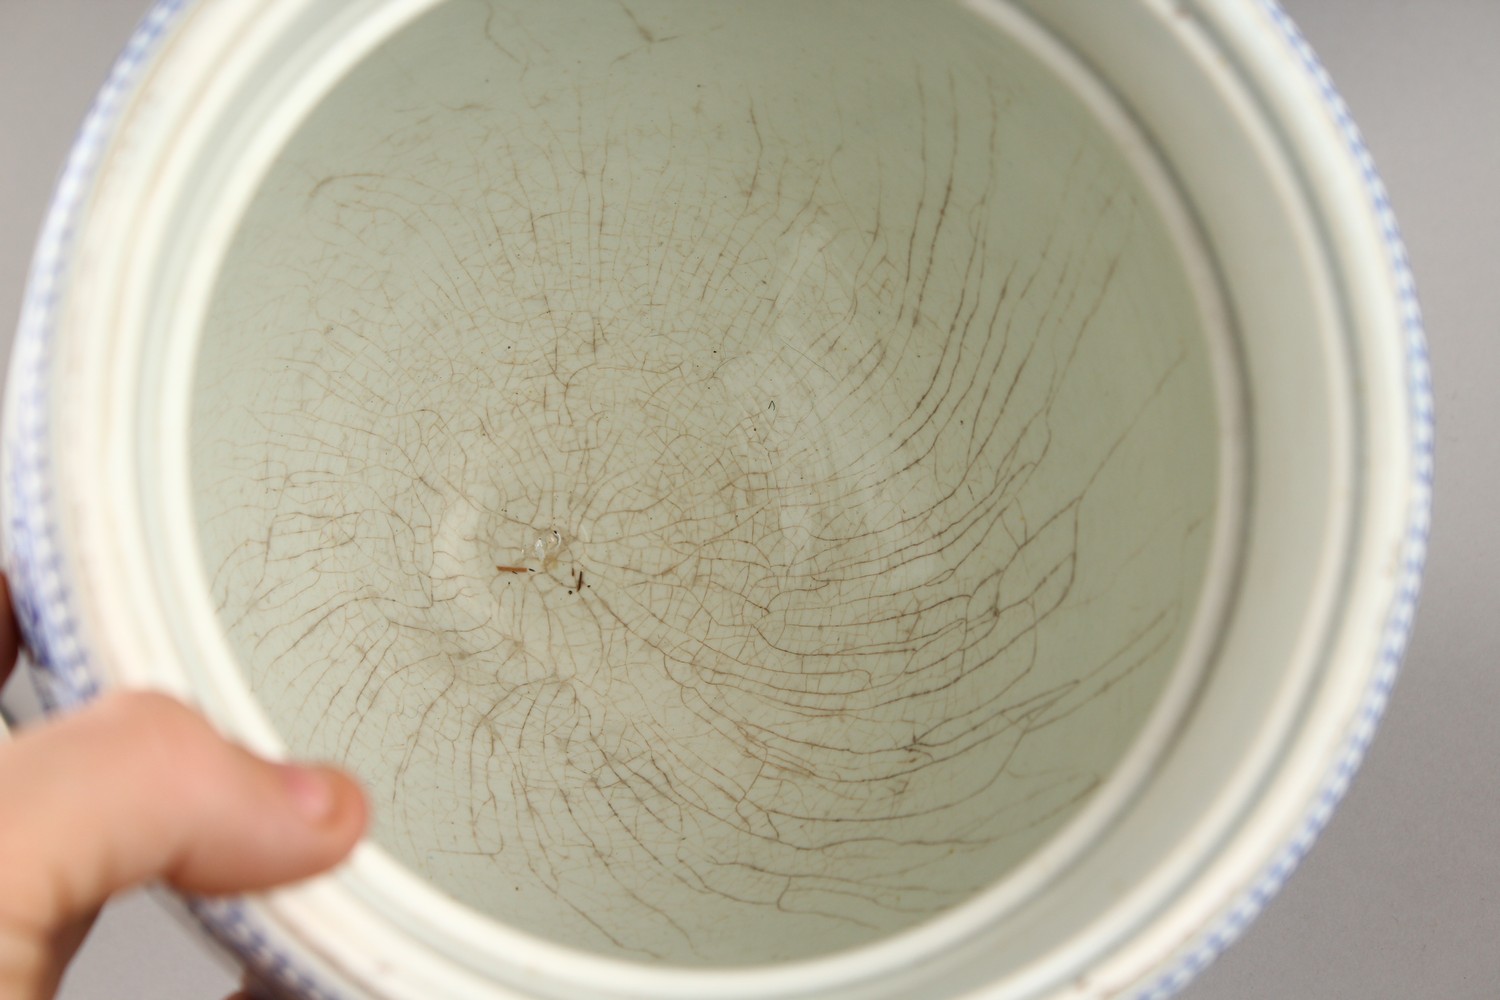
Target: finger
x: 67, y: 941
x: 138, y: 786
x: 10, y: 635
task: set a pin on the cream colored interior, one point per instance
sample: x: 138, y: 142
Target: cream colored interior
x: 734, y: 479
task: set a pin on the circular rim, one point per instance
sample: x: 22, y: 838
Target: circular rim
x: 1177, y: 970
x: 45, y: 598
x: 383, y: 885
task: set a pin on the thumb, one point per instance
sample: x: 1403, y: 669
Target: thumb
x: 137, y: 786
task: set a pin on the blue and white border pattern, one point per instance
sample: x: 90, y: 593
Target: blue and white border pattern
x: 44, y: 602
x: 61, y: 671
x: 1233, y: 922
x: 272, y: 968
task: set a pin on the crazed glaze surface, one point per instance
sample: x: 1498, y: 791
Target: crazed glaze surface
x: 879, y: 450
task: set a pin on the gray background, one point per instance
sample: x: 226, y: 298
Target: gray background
x: 1401, y: 896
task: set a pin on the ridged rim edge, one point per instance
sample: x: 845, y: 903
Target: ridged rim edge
x: 1233, y: 920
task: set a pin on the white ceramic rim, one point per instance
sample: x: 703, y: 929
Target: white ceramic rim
x: 52, y: 624
x: 386, y: 886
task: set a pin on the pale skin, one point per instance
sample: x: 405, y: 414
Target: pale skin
x: 135, y: 788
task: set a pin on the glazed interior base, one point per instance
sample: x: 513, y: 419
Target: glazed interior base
x: 733, y: 480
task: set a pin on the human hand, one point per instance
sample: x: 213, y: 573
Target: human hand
x: 136, y: 787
